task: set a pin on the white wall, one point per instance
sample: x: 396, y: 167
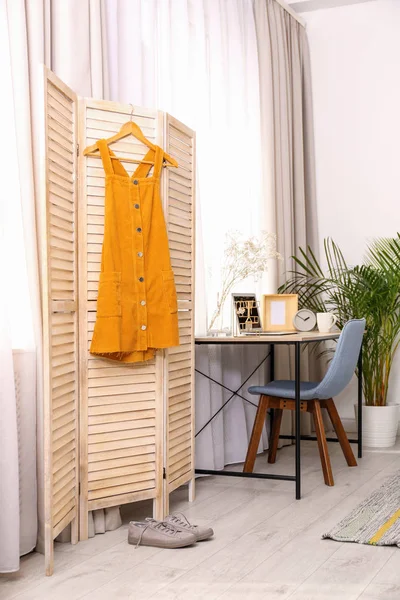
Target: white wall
x: 355, y: 57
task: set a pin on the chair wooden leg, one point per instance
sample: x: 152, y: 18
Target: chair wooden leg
x: 274, y: 441
x: 322, y: 445
x: 340, y: 432
x: 258, y: 425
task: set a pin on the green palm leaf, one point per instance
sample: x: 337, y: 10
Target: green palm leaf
x: 370, y: 290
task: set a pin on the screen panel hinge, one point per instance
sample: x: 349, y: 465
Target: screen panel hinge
x: 164, y: 474
x: 77, y: 149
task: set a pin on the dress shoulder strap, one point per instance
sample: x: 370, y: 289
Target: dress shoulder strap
x: 143, y: 169
x: 105, y: 156
x: 158, y: 161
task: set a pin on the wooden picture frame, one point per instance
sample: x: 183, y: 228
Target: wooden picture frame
x: 278, y: 311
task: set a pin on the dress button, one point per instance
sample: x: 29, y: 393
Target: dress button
x: 135, y: 182
x: 136, y: 205
x: 144, y: 327
x: 141, y: 278
x: 139, y: 229
x: 143, y: 302
x: 140, y: 254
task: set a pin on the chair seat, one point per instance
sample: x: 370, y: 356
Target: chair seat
x: 285, y: 389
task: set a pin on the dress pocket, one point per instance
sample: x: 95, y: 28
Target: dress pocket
x: 109, y: 298
x: 170, y: 290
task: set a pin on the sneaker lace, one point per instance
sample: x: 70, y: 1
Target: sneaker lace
x: 180, y: 519
x: 160, y: 525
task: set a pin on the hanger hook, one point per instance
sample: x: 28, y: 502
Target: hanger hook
x: 131, y: 105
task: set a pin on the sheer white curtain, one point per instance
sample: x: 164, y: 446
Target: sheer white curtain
x: 19, y: 303
x: 238, y: 72
x: 67, y: 37
x: 198, y: 60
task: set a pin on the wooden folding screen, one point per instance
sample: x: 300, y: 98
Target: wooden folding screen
x: 136, y: 422
x: 178, y: 194
x: 60, y: 327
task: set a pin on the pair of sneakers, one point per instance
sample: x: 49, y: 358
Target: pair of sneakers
x: 174, y: 531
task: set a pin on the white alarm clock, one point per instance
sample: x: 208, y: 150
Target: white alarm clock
x: 305, y: 320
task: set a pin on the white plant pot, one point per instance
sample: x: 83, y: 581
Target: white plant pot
x: 379, y: 425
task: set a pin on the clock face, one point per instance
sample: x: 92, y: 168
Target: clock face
x: 305, y: 320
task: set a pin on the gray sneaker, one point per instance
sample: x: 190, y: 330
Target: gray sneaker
x: 159, y: 534
x: 180, y: 522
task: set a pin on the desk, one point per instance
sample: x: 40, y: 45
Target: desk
x: 296, y: 340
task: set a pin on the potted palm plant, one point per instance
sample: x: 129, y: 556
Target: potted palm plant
x: 370, y: 290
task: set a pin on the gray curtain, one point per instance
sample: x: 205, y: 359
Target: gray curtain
x: 287, y: 123
x: 288, y: 146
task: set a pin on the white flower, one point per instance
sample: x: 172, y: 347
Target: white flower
x: 243, y: 258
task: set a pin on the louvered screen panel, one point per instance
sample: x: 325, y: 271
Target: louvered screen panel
x: 60, y: 328
x: 179, y: 191
x: 121, y: 408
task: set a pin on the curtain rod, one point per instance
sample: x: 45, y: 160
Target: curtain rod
x: 291, y: 12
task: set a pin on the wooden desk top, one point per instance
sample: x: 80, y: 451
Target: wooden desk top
x: 311, y: 336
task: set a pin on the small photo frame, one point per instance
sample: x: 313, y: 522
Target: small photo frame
x: 278, y: 311
x: 246, y: 314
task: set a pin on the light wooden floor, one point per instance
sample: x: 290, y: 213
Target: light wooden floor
x: 266, y: 546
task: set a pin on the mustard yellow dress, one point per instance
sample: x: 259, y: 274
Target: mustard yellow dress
x: 137, y: 303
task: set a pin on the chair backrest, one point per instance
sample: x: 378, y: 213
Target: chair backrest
x: 344, y: 362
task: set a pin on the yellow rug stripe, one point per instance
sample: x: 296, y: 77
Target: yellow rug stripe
x: 381, y: 532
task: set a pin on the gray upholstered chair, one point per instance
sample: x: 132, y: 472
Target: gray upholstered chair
x: 279, y: 395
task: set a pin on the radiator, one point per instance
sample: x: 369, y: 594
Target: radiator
x: 25, y: 390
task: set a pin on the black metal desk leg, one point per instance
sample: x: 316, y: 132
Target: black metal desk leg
x: 297, y: 419
x: 271, y: 378
x: 272, y: 363
x: 359, y: 402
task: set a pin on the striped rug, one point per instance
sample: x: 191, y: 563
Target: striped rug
x: 376, y: 520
